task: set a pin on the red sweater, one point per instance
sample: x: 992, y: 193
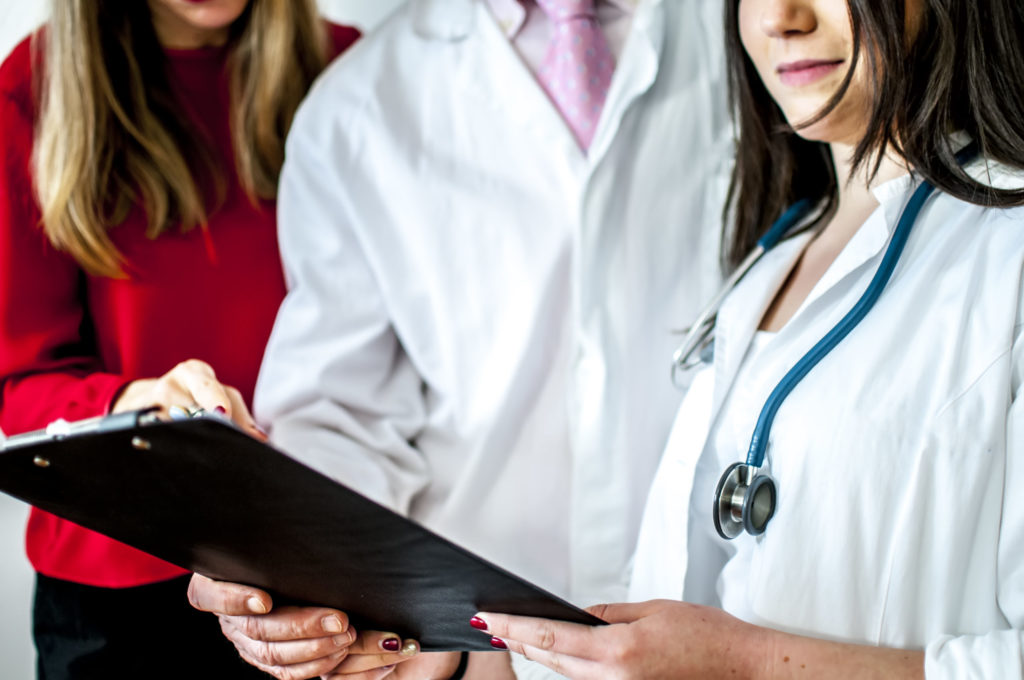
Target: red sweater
x: 69, y: 341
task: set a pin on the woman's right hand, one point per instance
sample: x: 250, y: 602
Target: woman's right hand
x: 188, y: 386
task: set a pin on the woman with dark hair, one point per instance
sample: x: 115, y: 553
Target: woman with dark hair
x: 871, y: 364
x: 141, y: 147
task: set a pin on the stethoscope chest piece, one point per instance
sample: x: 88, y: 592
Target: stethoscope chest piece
x: 745, y: 500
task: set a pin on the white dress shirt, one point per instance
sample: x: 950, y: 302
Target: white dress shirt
x: 898, y: 459
x: 480, y: 317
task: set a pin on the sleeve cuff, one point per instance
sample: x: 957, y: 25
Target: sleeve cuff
x: 999, y: 654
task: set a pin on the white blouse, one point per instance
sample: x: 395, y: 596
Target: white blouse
x: 899, y: 459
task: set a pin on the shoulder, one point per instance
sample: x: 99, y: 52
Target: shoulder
x: 974, y: 223
x: 970, y: 215
x: 405, y: 54
x: 992, y: 173
x: 982, y: 245
x: 998, y: 175
x: 340, y: 37
x: 16, y: 75
x: 393, y: 35
x: 351, y: 86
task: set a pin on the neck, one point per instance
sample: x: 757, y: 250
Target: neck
x: 856, y: 203
x: 856, y: 200
x: 855, y: 188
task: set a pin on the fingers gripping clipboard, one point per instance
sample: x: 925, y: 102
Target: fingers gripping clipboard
x: 205, y: 496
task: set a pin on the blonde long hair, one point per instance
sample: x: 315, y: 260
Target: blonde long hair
x: 108, y: 135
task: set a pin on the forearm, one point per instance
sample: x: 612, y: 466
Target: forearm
x: 32, y: 401
x: 793, y: 656
x: 336, y: 385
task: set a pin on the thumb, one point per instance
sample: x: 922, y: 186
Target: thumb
x: 231, y: 599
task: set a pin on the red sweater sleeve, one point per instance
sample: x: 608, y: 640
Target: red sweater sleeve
x: 48, y: 366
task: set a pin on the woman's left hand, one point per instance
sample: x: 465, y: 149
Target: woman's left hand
x: 657, y: 639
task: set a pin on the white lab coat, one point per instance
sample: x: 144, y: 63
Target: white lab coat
x: 899, y: 458
x: 479, y: 316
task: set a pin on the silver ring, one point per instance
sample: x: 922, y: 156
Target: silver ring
x: 185, y: 412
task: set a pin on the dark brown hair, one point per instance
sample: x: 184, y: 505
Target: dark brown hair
x: 964, y: 71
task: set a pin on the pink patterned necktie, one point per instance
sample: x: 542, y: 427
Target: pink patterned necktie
x: 577, y: 70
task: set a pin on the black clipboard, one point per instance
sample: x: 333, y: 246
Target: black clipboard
x: 203, y: 495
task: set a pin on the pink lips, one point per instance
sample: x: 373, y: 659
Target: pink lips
x: 806, y: 71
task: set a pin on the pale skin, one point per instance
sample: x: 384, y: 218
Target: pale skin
x: 669, y: 639
x: 662, y: 639
x: 772, y: 31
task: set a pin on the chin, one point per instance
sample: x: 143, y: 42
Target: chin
x: 839, y: 126
x: 818, y: 132
x: 211, y: 14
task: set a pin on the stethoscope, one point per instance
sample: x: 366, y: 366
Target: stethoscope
x: 697, y: 345
x: 746, y: 497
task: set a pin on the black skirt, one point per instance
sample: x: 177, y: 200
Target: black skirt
x: 88, y: 633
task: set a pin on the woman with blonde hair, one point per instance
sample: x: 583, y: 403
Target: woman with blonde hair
x: 141, y: 147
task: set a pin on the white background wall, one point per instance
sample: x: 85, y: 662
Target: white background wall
x: 17, y: 657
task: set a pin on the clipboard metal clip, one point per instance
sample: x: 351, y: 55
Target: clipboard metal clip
x: 61, y: 429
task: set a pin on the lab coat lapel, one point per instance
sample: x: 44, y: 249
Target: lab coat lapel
x: 742, y: 312
x: 737, y: 322
x: 492, y: 74
x: 635, y: 73
x: 866, y: 244
x: 869, y: 241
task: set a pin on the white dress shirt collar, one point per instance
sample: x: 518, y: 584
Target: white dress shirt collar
x: 511, y: 14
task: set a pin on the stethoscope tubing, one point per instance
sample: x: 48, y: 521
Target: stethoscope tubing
x: 746, y: 497
x: 682, y: 359
x: 759, y: 440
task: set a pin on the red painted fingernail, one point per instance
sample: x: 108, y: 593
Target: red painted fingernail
x: 221, y: 410
x: 478, y: 623
x: 498, y: 643
x: 391, y: 644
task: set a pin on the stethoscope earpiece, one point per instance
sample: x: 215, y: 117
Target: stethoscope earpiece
x: 744, y: 501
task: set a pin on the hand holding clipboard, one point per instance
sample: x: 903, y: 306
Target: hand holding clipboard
x: 202, y: 494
